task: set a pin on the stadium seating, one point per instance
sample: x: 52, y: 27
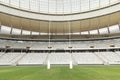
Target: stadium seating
x: 1, y: 53
x: 61, y: 45
x: 59, y: 58
x: 110, y: 57
x: 86, y: 58
x: 81, y: 58
x: 33, y: 59
x: 9, y: 58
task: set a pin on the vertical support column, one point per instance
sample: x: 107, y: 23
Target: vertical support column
x: 98, y: 26
x: 99, y: 23
x: 89, y: 26
x: 39, y: 27
x: 109, y: 2
x: 63, y: 17
x: 11, y: 29
x: 109, y: 24
x: 9, y: 2
x: 49, y: 35
x: 98, y: 31
x: 49, y: 28
x: 39, y: 6
x: 71, y: 7
x: 99, y: 4
x: 56, y: 7
x: 89, y: 5
x: 80, y: 28
x: 108, y: 30
x: 69, y: 23
x: 89, y: 19
x: 30, y: 32
x: 29, y: 5
x: 21, y: 27
x: 80, y: 6
x: 0, y: 26
x: 119, y: 25
x: 21, y: 33
x: 30, y: 26
x: 48, y: 18
x: 19, y: 4
x: 80, y: 21
x: 88, y: 32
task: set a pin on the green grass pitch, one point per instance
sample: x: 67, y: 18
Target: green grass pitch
x: 60, y: 73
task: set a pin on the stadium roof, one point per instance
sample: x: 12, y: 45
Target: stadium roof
x: 59, y: 16
x: 59, y: 6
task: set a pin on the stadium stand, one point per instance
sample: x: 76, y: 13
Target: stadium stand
x: 59, y: 58
x: 33, y: 58
x: 110, y: 57
x: 9, y: 58
x: 62, y: 45
x: 80, y: 58
x: 86, y: 58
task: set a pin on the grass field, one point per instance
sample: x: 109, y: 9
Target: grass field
x: 60, y: 73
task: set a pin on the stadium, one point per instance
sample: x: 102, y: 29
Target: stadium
x: 59, y: 39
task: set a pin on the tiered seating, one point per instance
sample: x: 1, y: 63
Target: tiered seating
x: 33, y: 59
x: 80, y: 45
x: 86, y: 58
x: 118, y: 52
x: 20, y: 45
x: 9, y: 58
x: 39, y: 46
x: 3, y: 43
x: 19, y: 57
x: 116, y: 42
x: 59, y: 58
x: 60, y: 45
x: 110, y: 57
x: 1, y: 53
x: 103, y: 58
